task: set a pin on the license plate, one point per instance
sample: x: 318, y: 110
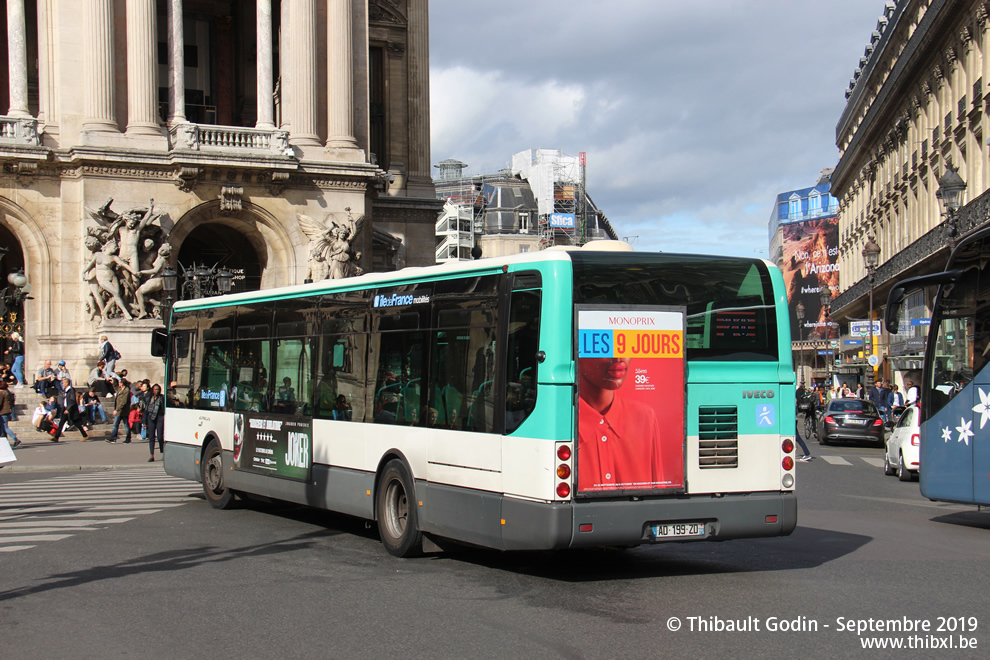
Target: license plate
x: 856, y: 422
x: 674, y: 530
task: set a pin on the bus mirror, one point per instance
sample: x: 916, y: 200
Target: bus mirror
x: 892, y: 315
x: 899, y: 292
x: 159, y: 342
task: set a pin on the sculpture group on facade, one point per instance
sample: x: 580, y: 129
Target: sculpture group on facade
x: 129, y: 252
x: 330, y: 254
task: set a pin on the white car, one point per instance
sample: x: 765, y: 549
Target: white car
x: 903, y: 453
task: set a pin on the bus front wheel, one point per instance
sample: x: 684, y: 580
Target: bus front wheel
x: 214, y: 485
x: 398, y: 523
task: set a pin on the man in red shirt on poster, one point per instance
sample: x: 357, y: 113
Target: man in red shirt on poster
x: 619, y: 439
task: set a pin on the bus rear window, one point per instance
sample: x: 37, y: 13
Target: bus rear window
x: 729, y: 302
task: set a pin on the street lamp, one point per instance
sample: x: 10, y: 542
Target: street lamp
x: 799, y: 313
x: 949, y: 194
x: 871, y: 256
x: 12, y: 296
x: 198, y: 281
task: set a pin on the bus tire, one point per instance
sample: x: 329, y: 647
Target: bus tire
x: 214, y: 485
x: 398, y: 522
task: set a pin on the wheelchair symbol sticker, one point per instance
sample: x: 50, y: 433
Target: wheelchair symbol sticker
x: 765, y: 416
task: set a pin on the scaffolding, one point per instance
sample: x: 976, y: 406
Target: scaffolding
x: 558, y: 181
x: 543, y: 194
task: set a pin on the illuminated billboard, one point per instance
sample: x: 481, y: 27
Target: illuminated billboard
x: 811, y: 261
x: 630, y: 400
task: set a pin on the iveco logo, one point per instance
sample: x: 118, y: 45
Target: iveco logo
x: 757, y: 394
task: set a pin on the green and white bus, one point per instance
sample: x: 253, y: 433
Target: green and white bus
x: 559, y: 399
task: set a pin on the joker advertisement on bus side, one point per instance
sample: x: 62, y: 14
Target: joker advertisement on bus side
x: 630, y: 400
x: 278, y: 446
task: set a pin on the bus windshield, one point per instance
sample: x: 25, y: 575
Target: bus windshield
x: 730, y: 310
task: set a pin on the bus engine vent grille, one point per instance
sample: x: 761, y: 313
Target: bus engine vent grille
x: 718, y: 436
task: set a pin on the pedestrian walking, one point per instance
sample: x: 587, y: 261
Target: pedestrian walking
x: 70, y: 412
x: 153, y: 418
x: 878, y: 397
x: 16, y: 352
x: 912, y: 393
x: 121, y: 410
x: 7, y: 400
x: 806, y: 456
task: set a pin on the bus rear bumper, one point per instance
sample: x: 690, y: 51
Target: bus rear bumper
x: 629, y: 523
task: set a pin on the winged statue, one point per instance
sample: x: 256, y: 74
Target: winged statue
x: 330, y: 254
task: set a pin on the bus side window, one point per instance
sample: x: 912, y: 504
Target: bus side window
x: 521, y: 361
x: 399, y: 378
x: 179, y: 392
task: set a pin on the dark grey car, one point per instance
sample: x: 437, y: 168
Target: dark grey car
x: 851, y: 419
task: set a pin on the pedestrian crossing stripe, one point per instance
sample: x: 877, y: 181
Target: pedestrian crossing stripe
x: 58, y: 508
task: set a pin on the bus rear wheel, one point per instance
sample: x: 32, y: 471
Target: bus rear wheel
x: 398, y: 523
x: 214, y: 485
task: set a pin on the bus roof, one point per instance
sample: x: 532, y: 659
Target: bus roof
x: 420, y: 273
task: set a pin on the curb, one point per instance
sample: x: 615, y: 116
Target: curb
x: 13, y: 467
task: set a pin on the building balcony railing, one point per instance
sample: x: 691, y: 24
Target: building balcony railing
x: 20, y: 130
x: 227, y: 139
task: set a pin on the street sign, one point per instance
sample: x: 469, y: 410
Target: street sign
x: 852, y: 342
x: 863, y: 328
x: 873, y: 360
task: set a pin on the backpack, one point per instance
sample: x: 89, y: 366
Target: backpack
x: 116, y: 354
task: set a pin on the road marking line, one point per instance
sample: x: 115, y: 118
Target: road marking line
x: 875, y: 462
x: 48, y: 530
x: 44, y: 515
x: 835, y: 460
x: 15, y: 548
x: 47, y: 537
x: 63, y: 523
x: 927, y: 505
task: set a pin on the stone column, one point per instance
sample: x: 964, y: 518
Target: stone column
x: 47, y: 87
x: 226, y: 65
x: 142, y: 68
x: 340, y: 76
x: 17, y: 58
x: 176, y: 64
x: 284, y: 79
x: 302, y: 71
x: 266, y: 80
x: 419, y: 89
x: 98, y: 70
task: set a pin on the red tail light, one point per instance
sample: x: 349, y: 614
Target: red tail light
x: 877, y: 422
x: 563, y: 490
x: 829, y: 420
x: 915, y: 440
x: 787, y: 446
x: 563, y: 452
x: 787, y: 463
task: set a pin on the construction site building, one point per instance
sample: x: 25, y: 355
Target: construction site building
x: 538, y: 202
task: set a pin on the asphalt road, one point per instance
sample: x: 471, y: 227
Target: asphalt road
x: 171, y: 578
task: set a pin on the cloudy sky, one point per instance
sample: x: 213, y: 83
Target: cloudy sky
x: 694, y: 114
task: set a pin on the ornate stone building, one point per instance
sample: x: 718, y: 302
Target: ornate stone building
x: 917, y: 106
x: 215, y: 127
